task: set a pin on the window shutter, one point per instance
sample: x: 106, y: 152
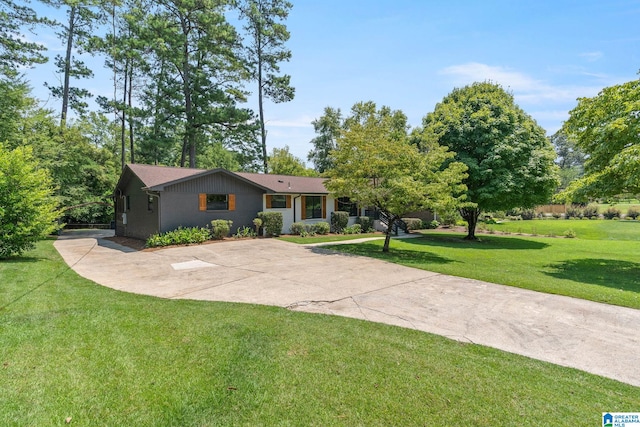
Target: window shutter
x: 288, y: 202
x: 303, y: 207
x: 335, y: 205
x: 202, y: 198
x: 324, y: 206
x: 269, y: 197
x: 231, y: 198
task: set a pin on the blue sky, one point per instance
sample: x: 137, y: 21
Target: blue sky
x: 409, y: 54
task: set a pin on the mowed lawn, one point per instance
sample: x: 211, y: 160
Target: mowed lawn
x: 75, y: 353
x: 602, y: 264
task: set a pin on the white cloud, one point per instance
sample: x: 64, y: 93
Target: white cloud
x: 524, y: 88
x: 592, y: 56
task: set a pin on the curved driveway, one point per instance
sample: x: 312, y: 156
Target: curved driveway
x: 593, y: 337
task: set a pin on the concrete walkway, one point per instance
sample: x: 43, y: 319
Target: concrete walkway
x: 593, y: 337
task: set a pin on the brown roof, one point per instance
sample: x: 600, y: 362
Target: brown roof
x: 286, y: 183
x: 153, y: 176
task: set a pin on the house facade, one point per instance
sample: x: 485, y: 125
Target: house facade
x: 155, y: 199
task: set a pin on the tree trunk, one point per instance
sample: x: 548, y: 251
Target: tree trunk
x: 263, y: 132
x: 387, y: 238
x: 130, y: 108
x: 67, y: 67
x: 471, y: 215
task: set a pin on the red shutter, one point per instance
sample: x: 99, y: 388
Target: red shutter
x: 202, y: 198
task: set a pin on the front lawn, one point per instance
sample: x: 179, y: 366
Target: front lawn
x: 598, y: 270
x: 327, y: 238
x: 73, y: 350
x: 591, y: 229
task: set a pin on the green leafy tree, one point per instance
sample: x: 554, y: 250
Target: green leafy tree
x: 607, y: 128
x: 328, y: 129
x: 15, y: 50
x: 264, y: 52
x: 375, y: 165
x: 27, y: 207
x: 282, y: 162
x: 195, y: 65
x: 510, y: 160
x: 570, y: 159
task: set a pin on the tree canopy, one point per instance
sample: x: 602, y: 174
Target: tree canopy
x: 283, y: 162
x: 510, y: 160
x: 27, y: 206
x: 376, y: 166
x: 607, y: 128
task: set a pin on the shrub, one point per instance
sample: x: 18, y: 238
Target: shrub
x: 366, y: 223
x: 573, y: 212
x: 431, y: 224
x: 412, y: 223
x: 321, y: 227
x: 180, y: 236
x: 28, y: 210
x: 298, y: 228
x: 449, y: 218
x: 569, y: 234
x: 633, y: 212
x: 590, y: 211
x: 220, y: 228
x: 257, y: 223
x: 339, y: 220
x: 528, y: 214
x: 611, y: 213
x: 353, y: 229
x: 245, y: 232
x: 272, y: 222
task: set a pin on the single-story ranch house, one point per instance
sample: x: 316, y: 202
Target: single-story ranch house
x: 156, y: 199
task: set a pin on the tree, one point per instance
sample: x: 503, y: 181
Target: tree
x: 15, y: 50
x: 195, y: 66
x: 510, y: 161
x: 282, y: 162
x: 27, y: 207
x: 82, y: 19
x: 570, y: 159
x: 265, y: 50
x: 328, y: 129
x: 607, y: 128
x: 375, y: 165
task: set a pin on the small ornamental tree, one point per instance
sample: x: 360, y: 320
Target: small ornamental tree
x: 28, y: 210
x: 375, y: 165
x: 510, y: 160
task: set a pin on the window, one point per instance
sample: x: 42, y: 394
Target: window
x: 313, y: 207
x: 345, y: 204
x: 277, y: 201
x: 217, y: 202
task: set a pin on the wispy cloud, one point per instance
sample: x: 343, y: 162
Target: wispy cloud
x: 525, y: 88
x: 297, y: 122
x: 592, y: 56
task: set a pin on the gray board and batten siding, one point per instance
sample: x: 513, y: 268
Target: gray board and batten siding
x: 181, y: 202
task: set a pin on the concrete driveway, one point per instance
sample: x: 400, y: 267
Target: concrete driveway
x: 593, y: 337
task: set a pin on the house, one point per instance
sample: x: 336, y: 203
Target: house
x: 155, y: 199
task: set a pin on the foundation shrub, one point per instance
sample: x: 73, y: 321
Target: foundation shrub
x: 339, y: 220
x: 271, y: 222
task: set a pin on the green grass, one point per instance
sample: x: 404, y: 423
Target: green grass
x: 605, y: 271
x: 588, y: 229
x: 71, y: 348
x: 623, y: 206
x: 327, y: 238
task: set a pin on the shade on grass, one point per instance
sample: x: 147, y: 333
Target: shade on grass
x: 71, y: 348
x: 604, y: 271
